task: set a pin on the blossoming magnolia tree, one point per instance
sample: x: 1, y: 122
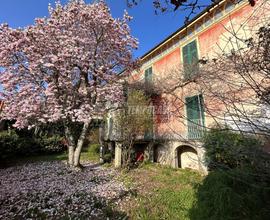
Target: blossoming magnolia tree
x: 64, y: 68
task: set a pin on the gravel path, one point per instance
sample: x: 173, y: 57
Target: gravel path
x: 49, y: 190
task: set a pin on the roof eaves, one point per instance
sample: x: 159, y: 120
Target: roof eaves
x: 206, y: 10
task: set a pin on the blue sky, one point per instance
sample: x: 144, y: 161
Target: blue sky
x: 149, y: 28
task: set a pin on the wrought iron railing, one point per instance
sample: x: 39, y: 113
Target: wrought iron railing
x: 196, y: 129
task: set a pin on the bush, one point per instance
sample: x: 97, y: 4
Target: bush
x: 8, y: 144
x: 232, y: 194
x: 226, y: 149
x: 107, y: 158
x: 52, y: 144
x: 237, y: 186
x: 13, y: 144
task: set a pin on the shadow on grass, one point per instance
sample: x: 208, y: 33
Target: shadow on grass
x: 90, y: 153
x: 30, y: 159
x: 232, y: 194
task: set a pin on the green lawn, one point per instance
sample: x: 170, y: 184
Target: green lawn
x: 91, y: 153
x: 162, y: 192
x: 159, y: 193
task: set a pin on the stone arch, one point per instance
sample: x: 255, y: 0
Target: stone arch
x: 187, y: 157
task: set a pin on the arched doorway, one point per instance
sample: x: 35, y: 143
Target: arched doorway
x: 187, y: 157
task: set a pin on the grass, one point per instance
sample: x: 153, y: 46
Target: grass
x: 177, y: 194
x: 160, y: 192
x: 163, y: 192
x: 90, y: 153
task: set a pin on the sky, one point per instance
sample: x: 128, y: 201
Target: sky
x: 150, y: 29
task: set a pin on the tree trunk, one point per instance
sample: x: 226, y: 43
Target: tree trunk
x: 71, y: 155
x: 71, y: 145
x: 79, y: 146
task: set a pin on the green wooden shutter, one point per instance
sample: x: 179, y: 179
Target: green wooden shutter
x: 186, y: 61
x: 193, y: 52
x: 148, y: 74
x: 195, y: 116
x: 148, y: 133
x: 193, y: 108
x: 190, y: 59
x: 202, y: 108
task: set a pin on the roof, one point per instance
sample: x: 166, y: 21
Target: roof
x: 206, y: 10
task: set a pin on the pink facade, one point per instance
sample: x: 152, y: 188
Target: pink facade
x: 183, y: 103
x: 212, y: 40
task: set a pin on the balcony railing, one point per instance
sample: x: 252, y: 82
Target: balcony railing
x: 114, y: 132
x: 195, y: 129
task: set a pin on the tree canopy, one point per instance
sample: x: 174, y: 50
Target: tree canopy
x: 64, y: 68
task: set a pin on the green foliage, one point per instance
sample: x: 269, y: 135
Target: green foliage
x: 19, y: 144
x: 107, y: 157
x: 91, y: 153
x: 53, y: 144
x: 232, y: 194
x: 27, y: 146
x: 226, y: 149
x: 8, y: 143
x: 238, y: 185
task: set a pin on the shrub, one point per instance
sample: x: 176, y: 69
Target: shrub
x: 13, y: 144
x: 237, y: 186
x: 53, y: 144
x: 27, y: 146
x: 226, y: 149
x: 8, y: 144
x: 232, y: 194
x: 107, y: 158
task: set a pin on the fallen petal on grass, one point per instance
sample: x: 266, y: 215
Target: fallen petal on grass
x: 50, y: 190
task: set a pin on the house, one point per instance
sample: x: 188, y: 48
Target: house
x: 180, y: 115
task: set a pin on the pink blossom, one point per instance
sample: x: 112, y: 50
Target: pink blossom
x: 64, y: 66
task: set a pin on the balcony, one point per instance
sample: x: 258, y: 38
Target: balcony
x: 116, y: 132
x: 195, y: 129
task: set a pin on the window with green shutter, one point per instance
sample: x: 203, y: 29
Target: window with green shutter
x: 195, y: 116
x: 148, y: 133
x: 148, y: 75
x: 190, y: 59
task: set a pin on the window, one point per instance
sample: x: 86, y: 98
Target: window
x: 149, y: 130
x: 190, y: 32
x: 199, y: 26
x: 195, y: 116
x: 208, y: 20
x: 183, y: 36
x: 148, y: 75
x: 190, y: 59
x: 229, y: 6
x: 218, y: 14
